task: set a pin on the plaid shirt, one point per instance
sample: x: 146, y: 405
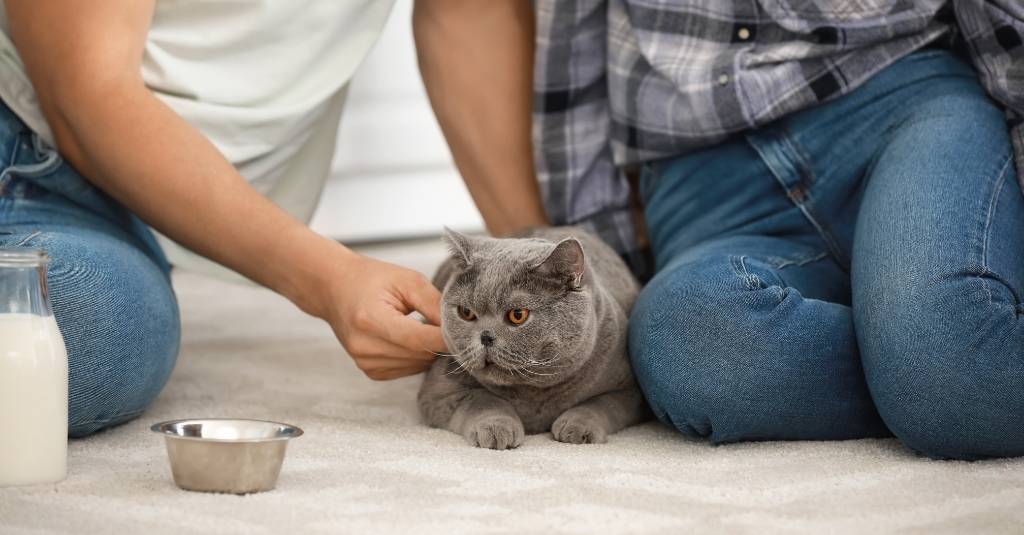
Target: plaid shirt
x: 619, y: 82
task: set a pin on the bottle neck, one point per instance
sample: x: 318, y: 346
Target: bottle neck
x: 23, y: 288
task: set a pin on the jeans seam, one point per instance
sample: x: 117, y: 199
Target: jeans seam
x: 993, y: 201
x: 805, y: 169
x: 795, y: 160
x: 986, y: 232
x: 739, y: 266
x: 752, y: 282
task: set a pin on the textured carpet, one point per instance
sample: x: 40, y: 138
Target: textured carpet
x: 366, y: 464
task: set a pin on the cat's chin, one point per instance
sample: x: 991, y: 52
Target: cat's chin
x: 492, y: 374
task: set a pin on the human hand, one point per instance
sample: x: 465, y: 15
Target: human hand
x: 368, y: 306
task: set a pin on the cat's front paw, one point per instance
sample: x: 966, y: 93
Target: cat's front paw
x: 500, y: 432
x: 580, y: 426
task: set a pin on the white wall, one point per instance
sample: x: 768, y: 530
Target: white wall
x: 393, y: 176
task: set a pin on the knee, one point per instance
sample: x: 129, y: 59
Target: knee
x: 119, y: 318
x: 697, y: 338
x: 947, y: 393
x: 947, y: 425
x: 947, y: 412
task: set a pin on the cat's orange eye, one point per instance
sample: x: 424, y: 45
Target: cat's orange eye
x: 517, y: 316
x: 465, y: 313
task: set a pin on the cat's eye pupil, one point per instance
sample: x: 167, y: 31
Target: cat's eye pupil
x: 465, y: 313
x: 517, y: 316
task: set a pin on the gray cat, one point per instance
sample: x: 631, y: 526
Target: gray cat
x: 537, y: 332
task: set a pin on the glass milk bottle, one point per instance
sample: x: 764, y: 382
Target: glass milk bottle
x: 33, y: 374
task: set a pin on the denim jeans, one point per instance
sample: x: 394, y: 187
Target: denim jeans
x: 853, y: 270
x: 108, y: 279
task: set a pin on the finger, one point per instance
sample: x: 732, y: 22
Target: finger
x: 391, y: 363
x: 425, y: 299
x: 382, y: 368
x: 389, y: 375
x: 380, y: 347
x: 414, y: 335
x: 418, y: 352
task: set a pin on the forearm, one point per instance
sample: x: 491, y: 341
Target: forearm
x: 476, y: 59
x: 86, y: 71
x: 135, y: 148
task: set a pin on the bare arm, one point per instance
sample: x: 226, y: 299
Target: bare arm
x: 85, y: 67
x: 476, y: 59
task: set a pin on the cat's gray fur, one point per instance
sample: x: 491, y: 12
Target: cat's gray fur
x: 565, y: 369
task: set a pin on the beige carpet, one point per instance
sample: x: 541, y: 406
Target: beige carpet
x: 367, y: 465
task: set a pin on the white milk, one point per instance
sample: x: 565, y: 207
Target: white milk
x: 33, y: 400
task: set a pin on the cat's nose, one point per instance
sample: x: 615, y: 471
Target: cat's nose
x: 486, y: 338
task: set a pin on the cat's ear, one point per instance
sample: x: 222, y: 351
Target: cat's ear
x: 565, y: 263
x: 458, y: 247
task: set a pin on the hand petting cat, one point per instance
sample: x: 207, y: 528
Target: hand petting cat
x: 368, y: 306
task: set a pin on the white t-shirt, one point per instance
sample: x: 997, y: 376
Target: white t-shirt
x: 264, y: 80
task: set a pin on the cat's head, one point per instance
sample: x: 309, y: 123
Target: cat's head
x: 517, y: 311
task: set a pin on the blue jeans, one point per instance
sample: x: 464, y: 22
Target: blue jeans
x: 854, y: 270
x: 108, y: 279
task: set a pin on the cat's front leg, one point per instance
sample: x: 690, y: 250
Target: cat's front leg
x: 593, y: 420
x: 457, y: 403
x: 487, y: 421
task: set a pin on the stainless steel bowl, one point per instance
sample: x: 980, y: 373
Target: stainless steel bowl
x: 224, y: 455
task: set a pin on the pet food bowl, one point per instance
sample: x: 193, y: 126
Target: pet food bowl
x: 224, y: 455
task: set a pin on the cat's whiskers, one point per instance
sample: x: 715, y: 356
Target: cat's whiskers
x: 510, y: 367
x: 521, y: 366
x: 459, y: 368
x: 517, y: 371
x: 538, y: 374
x: 463, y: 359
x: 524, y: 362
x: 546, y: 363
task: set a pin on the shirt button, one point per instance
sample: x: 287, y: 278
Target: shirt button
x: 723, y: 79
x: 743, y: 34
